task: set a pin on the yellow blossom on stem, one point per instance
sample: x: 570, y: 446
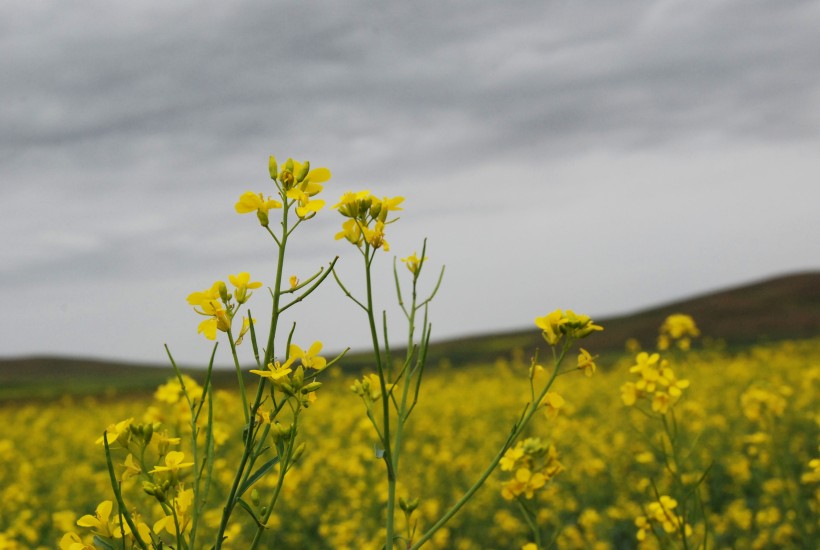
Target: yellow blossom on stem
x: 510, y: 458
x: 586, y: 363
x: 413, y: 263
x: 629, y: 394
x: 375, y: 236
x: 275, y: 370
x: 173, y: 463
x: 257, y: 202
x: 242, y: 283
x: 552, y: 403
x: 350, y: 231
x: 306, y: 208
x: 182, y: 507
x: 119, y: 432
x: 72, y: 541
x: 310, y: 358
x: 100, y: 523
x: 550, y: 326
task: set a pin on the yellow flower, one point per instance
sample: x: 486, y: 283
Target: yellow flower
x: 580, y: 326
x: 132, y: 469
x: 306, y: 207
x: 310, y: 358
x: 552, y: 403
x: 212, y: 294
x: 182, y: 506
x: 119, y: 432
x: 525, y: 482
x: 242, y: 282
x: 208, y: 303
x: 72, y: 541
x: 246, y: 326
x: 276, y: 370
x: 257, y: 202
x: 173, y: 463
x: 413, y: 263
x: 629, y: 394
x: 354, y: 205
x: 661, y: 402
x: 380, y: 208
x: 511, y: 457
x: 585, y: 362
x: 350, y: 231
x: 550, y: 325
x: 100, y: 523
x: 375, y: 236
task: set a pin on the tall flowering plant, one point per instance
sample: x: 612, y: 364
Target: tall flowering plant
x: 178, y: 485
x: 168, y: 491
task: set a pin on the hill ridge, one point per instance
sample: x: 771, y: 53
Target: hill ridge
x: 776, y: 308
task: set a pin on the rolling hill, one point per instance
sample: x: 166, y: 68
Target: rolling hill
x: 781, y: 308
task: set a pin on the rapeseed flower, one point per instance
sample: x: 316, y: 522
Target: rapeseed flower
x: 257, y: 202
x: 586, y: 363
x: 72, y: 541
x: 276, y: 371
x: 413, y: 263
x: 554, y: 326
x: 310, y: 358
x: 100, y: 523
x: 173, y: 463
x: 552, y: 403
x: 679, y: 328
x: 242, y: 283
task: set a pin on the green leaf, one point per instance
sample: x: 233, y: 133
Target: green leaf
x: 263, y: 469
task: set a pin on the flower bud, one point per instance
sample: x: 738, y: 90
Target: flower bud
x: 297, y: 454
x: 312, y: 387
x: 148, y: 433
x: 376, y: 208
x: 272, y: 167
x: 302, y: 174
x: 408, y: 505
x: 298, y: 377
x: 262, y: 216
x: 281, y: 432
x: 223, y: 292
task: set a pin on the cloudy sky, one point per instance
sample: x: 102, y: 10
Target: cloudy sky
x: 600, y: 156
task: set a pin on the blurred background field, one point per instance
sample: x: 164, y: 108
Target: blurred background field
x: 750, y: 412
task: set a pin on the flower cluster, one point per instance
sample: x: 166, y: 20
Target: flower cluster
x: 662, y: 513
x: 656, y: 382
x: 556, y: 325
x: 679, y: 329
x: 759, y: 404
x: 296, y: 184
x: 534, y: 462
x: 367, y: 216
x: 220, y: 306
x: 294, y: 382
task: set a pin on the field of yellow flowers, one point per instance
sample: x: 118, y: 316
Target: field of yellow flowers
x: 748, y: 423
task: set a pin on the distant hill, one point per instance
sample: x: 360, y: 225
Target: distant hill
x: 775, y: 309
x: 781, y: 308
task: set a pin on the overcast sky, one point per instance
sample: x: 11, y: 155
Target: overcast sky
x: 599, y: 156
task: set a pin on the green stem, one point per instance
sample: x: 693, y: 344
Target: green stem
x: 239, y: 378
x: 250, y: 412
x: 388, y: 456
x: 284, y: 466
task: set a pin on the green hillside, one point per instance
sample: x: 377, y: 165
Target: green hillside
x: 776, y: 309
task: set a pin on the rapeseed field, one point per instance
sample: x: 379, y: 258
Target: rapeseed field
x: 750, y: 418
